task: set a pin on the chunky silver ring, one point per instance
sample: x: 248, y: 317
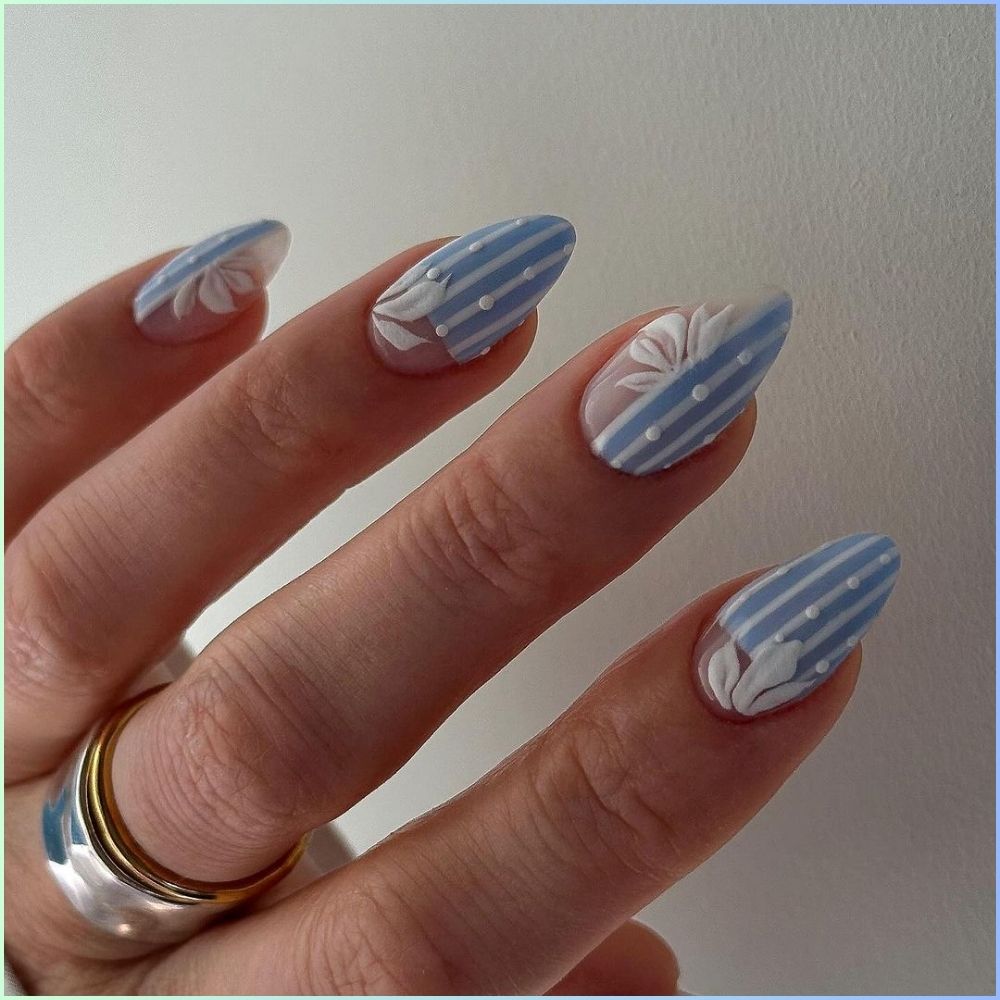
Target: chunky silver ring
x: 102, y: 871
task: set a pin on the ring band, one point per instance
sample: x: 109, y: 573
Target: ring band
x: 106, y: 875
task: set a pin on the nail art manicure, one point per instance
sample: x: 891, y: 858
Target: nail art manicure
x: 783, y: 635
x: 198, y: 291
x: 681, y: 380
x: 461, y: 299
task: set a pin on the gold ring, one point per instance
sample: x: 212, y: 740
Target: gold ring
x: 112, y: 836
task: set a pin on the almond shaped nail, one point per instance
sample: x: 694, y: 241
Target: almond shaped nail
x: 460, y: 300
x: 681, y: 380
x: 783, y: 635
x: 199, y: 290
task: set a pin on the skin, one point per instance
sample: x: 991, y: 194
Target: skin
x: 144, y: 479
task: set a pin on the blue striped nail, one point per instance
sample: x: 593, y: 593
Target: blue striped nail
x: 461, y: 299
x: 197, y: 292
x: 681, y: 380
x: 784, y: 634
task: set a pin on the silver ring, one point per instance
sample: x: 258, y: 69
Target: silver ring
x: 106, y: 875
x: 97, y: 888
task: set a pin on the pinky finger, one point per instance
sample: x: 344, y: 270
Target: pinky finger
x: 510, y: 886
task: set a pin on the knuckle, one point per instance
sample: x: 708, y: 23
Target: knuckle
x: 486, y: 526
x: 222, y: 763
x: 256, y: 748
x: 34, y: 659
x: 49, y: 638
x: 617, y: 807
x: 37, y: 390
x: 373, y: 945
x: 208, y: 763
x: 266, y: 413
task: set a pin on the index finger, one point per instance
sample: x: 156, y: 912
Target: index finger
x: 88, y: 376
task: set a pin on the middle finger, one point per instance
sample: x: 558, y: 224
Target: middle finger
x: 319, y: 693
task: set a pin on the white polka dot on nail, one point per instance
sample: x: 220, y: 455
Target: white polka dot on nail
x: 823, y: 666
x: 699, y: 392
x: 779, y: 637
x: 441, y: 331
x: 744, y: 357
x: 708, y: 439
x: 528, y: 273
x: 853, y: 583
x: 653, y: 433
x: 812, y: 612
x: 568, y: 249
x: 852, y: 641
x: 519, y: 222
x: 434, y: 272
x: 475, y: 246
x: 885, y: 559
x: 486, y: 303
x: 616, y: 463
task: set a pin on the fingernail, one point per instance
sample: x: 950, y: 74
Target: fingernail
x: 681, y: 379
x: 783, y: 635
x: 198, y: 291
x: 461, y: 299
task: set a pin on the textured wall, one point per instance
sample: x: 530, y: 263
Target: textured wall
x: 844, y: 153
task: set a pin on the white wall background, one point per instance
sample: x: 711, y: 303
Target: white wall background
x: 845, y: 153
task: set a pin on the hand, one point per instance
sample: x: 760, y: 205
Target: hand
x: 155, y: 453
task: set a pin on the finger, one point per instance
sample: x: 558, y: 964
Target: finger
x: 115, y: 566
x: 506, y: 888
x: 87, y: 377
x: 631, y: 961
x: 313, y: 698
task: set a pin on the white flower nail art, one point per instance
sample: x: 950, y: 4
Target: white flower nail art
x: 462, y: 298
x: 222, y: 274
x: 670, y: 340
x: 767, y: 674
x: 405, y: 303
x: 214, y: 285
x: 786, y: 633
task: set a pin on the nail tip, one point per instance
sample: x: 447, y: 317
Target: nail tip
x: 561, y: 220
x: 277, y: 226
x: 769, y: 301
x: 881, y: 541
x: 779, y: 293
